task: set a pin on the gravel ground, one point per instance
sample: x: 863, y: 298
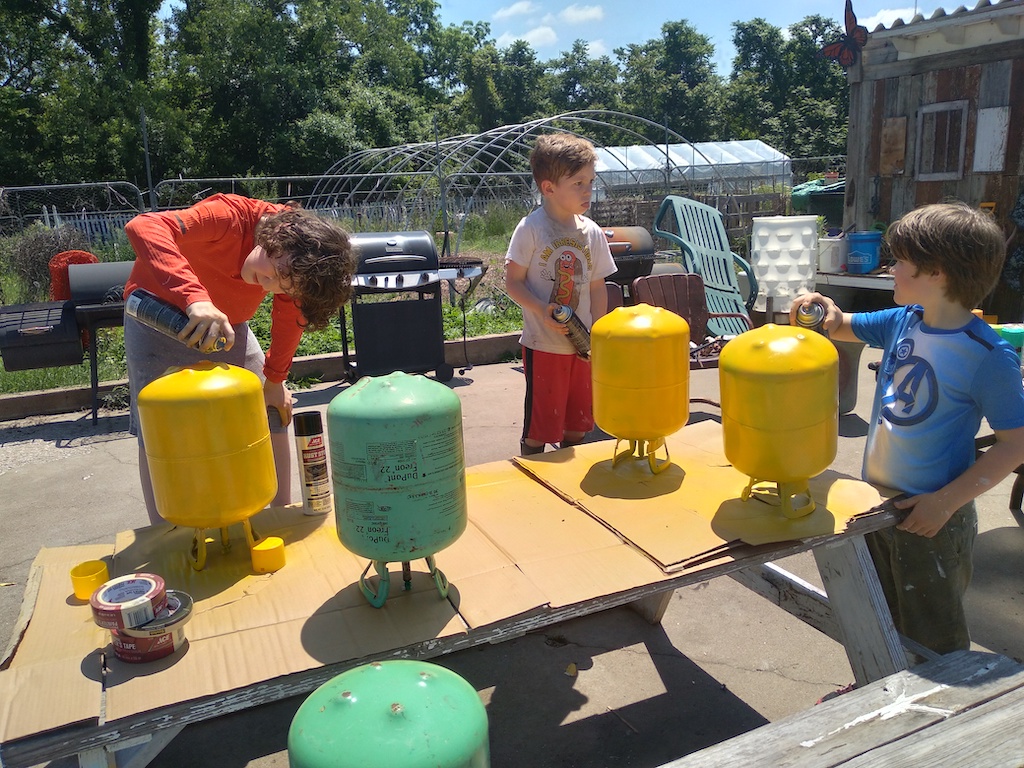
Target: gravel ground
x: 38, y: 439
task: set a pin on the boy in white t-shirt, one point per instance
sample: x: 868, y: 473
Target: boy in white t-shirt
x: 557, y: 256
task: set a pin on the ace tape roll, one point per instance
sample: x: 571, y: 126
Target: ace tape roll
x: 158, y: 638
x: 174, y: 616
x: 139, y: 650
x: 128, y: 601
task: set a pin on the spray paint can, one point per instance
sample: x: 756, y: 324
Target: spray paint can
x: 311, y: 453
x: 578, y: 333
x: 160, y: 316
x: 811, y: 316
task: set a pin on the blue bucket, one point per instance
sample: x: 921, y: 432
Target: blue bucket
x: 863, y: 255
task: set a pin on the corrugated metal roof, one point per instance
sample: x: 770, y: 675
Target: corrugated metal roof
x: 961, y: 13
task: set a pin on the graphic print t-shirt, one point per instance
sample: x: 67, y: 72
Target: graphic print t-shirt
x: 561, y: 261
x: 934, y: 387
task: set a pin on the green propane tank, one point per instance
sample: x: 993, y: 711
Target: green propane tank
x: 399, y: 473
x: 391, y: 714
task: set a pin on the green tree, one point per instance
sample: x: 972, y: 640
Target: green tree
x: 673, y: 78
x: 580, y: 82
x: 521, y: 81
x: 784, y: 92
x: 244, y: 82
x: 29, y: 55
x: 481, y: 75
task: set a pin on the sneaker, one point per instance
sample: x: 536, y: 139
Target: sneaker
x: 838, y: 692
x: 530, y: 450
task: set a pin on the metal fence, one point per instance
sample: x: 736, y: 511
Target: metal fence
x: 100, y: 210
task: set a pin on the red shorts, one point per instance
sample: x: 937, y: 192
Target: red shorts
x: 558, y: 396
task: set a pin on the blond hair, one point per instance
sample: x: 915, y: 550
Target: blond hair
x: 557, y: 155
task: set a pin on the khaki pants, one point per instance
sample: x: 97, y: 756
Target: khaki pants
x: 925, y: 580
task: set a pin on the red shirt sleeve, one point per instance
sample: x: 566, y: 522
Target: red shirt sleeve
x: 196, y: 254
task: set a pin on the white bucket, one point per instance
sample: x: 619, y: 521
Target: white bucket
x: 832, y: 254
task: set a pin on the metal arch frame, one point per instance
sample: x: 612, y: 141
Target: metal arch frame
x: 358, y: 177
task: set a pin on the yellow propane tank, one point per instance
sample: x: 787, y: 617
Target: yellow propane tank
x: 640, y: 366
x: 779, y: 386
x: 208, y: 445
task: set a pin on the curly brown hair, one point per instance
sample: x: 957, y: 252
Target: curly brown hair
x: 315, y: 256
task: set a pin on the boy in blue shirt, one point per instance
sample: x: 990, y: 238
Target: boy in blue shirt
x: 942, y: 370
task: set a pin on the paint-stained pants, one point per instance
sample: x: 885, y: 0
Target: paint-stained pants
x: 925, y: 580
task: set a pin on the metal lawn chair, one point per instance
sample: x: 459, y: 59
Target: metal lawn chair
x: 684, y: 294
x: 700, y: 233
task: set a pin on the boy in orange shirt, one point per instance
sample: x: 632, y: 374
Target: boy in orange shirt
x: 216, y: 261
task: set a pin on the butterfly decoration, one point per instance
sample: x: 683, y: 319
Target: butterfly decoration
x: 848, y: 47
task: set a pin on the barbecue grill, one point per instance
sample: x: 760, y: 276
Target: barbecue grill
x: 396, y: 304
x: 633, y: 252
x: 49, y: 334
x: 97, y: 291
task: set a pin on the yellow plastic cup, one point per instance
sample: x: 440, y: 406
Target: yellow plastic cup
x: 87, y: 577
x: 268, y: 555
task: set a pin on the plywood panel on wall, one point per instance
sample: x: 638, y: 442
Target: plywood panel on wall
x: 892, y: 160
x: 990, y: 138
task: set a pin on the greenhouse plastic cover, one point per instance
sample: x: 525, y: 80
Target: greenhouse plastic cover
x: 706, y: 161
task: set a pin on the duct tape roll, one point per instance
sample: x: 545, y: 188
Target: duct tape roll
x: 174, y: 616
x: 139, y: 650
x: 158, y: 638
x: 128, y: 601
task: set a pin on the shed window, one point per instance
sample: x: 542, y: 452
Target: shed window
x: 941, y: 138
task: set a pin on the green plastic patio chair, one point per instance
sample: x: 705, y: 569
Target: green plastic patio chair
x: 699, y: 232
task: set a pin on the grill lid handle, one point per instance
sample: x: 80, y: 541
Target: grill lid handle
x: 402, y: 259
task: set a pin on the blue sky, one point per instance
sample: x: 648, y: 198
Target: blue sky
x: 551, y: 27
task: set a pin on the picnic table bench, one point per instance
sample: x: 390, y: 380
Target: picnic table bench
x: 964, y: 708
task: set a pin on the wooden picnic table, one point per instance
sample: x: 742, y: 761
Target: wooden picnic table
x: 503, y: 587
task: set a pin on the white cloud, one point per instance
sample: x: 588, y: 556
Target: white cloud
x: 538, y: 38
x: 521, y: 8
x: 597, y: 48
x: 541, y: 37
x: 581, y: 14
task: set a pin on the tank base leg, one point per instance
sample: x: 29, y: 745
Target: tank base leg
x: 439, y: 578
x: 406, y: 575
x: 197, y: 553
x: 376, y: 599
x: 642, y: 449
x: 793, y: 499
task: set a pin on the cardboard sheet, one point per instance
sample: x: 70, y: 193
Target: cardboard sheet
x: 567, y: 555
x: 693, y: 506
x: 250, y: 627
x: 55, y: 674
x: 584, y: 531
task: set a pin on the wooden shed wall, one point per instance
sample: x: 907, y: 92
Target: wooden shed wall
x: 885, y: 100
